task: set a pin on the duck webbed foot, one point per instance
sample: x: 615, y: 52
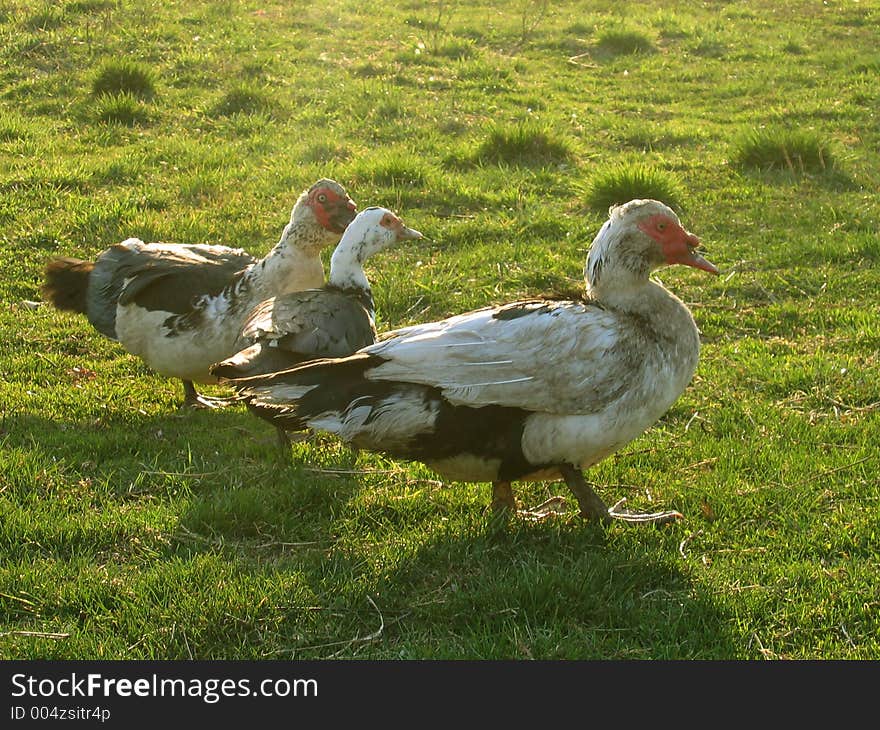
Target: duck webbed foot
x: 504, y: 501
x: 193, y: 399
x: 593, y: 508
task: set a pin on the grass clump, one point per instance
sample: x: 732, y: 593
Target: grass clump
x: 123, y: 109
x: 368, y: 70
x: 120, y: 77
x: 623, y: 42
x: 90, y: 6
x: 672, y: 27
x: 13, y: 129
x: 527, y: 143
x: 796, y: 150
x: 46, y: 19
x: 622, y: 182
x: 457, y: 50
x: 795, y: 48
x: 709, y: 45
x: 393, y: 168
x: 243, y: 99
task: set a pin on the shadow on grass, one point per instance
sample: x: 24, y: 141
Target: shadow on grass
x: 223, y: 471
x: 249, y: 559
x: 834, y: 179
x: 561, y: 590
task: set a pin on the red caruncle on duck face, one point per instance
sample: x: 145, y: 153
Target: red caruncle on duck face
x: 332, y: 211
x: 389, y: 220
x: 679, y: 246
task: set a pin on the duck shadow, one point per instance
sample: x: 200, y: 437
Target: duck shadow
x: 204, y: 454
x: 558, y: 590
x: 450, y: 581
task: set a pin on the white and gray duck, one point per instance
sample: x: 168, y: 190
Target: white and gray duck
x: 334, y: 320
x: 532, y: 390
x: 180, y: 307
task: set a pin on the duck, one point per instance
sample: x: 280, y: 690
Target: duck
x: 538, y: 389
x: 180, y: 307
x: 334, y: 320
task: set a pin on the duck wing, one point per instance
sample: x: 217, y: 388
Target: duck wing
x: 313, y: 323
x: 546, y: 356
x: 163, y: 276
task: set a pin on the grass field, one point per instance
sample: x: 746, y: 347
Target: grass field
x: 132, y: 530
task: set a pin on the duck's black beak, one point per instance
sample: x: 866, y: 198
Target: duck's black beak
x: 342, y: 214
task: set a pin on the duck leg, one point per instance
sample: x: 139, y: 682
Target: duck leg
x: 283, y: 444
x: 193, y: 399
x: 593, y: 508
x: 503, y: 499
x: 286, y: 439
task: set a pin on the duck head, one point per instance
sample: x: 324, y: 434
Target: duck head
x: 327, y: 208
x: 638, y: 238
x: 372, y: 230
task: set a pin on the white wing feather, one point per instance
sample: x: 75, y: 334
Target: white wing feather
x: 561, y: 359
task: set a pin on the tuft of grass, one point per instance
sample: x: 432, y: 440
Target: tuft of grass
x: 776, y: 148
x: 651, y: 136
x: 89, y: 6
x: 579, y: 29
x: 526, y: 143
x: 794, y: 47
x: 124, y: 109
x: 672, y: 27
x: 368, y: 70
x: 709, y: 45
x: 13, y: 129
x: 621, y: 182
x: 457, y: 50
x: 123, y: 76
x: 243, y: 99
x: 623, y: 42
x: 394, y: 168
x: 46, y: 19
x: 400, y: 178
x: 325, y: 151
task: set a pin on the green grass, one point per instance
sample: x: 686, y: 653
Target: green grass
x: 242, y: 99
x: 124, y: 108
x: 616, y: 184
x: 796, y: 150
x: 123, y: 77
x: 619, y: 41
x: 131, y: 530
x: 524, y: 143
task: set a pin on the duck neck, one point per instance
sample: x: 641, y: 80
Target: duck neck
x: 659, y: 310
x: 347, y: 275
x: 294, y: 264
x: 347, y: 269
x: 617, y: 275
x: 632, y: 296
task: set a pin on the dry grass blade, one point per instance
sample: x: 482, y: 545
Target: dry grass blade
x: 37, y: 634
x: 686, y: 540
x: 366, y: 639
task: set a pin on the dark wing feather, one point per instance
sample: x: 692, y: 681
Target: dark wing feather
x: 285, y: 331
x: 129, y: 274
x: 312, y: 323
x: 258, y: 359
